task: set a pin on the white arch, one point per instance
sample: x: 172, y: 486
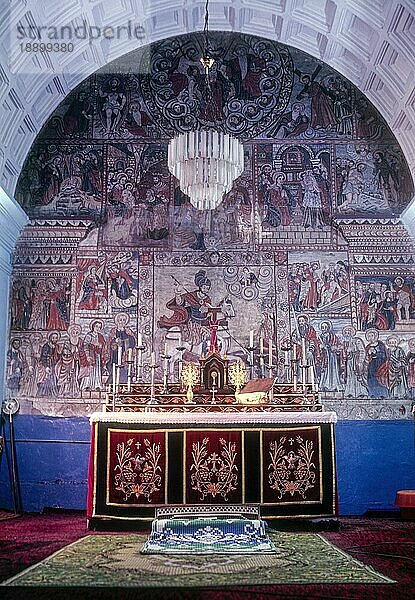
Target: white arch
x: 368, y: 41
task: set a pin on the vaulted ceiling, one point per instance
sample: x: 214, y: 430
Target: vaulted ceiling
x: 371, y: 42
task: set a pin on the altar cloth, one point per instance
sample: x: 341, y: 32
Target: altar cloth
x: 212, y: 418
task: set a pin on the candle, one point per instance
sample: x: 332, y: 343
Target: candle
x: 129, y: 378
x: 139, y: 339
x: 261, y: 346
x: 118, y: 375
x: 312, y: 378
x: 153, y: 359
x: 119, y: 355
x: 270, y: 352
x: 130, y: 355
x: 114, y: 382
x: 165, y: 348
x: 251, y: 339
x: 294, y: 361
x: 303, y: 349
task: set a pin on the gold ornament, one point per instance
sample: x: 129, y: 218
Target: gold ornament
x: 190, y: 376
x: 237, y: 376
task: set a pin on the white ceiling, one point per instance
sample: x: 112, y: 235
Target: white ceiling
x: 371, y: 42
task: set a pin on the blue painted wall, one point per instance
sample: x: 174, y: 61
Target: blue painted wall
x: 374, y: 460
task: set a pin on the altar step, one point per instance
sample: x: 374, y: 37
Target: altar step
x: 209, y: 533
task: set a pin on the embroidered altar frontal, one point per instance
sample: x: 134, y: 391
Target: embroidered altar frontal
x: 282, y: 462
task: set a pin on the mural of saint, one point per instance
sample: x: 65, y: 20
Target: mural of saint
x: 397, y: 375
x: 16, y: 365
x: 410, y: 357
x: 121, y: 339
x: 312, y: 201
x: 278, y: 202
x: 57, y: 296
x: 94, y: 348
x: 190, y: 306
x: 67, y: 370
x: 376, y: 365
x: 47, y: 383
x: 305, y: 337
x: 294, y: 122
x: 78, y: 115
x: 21, y: 304
x: 330, y: 377
x: 405, y: 299
x: 322, y: 109
x: 93, y: 295
x: 39, y: 316
x: 353, y: 356
x: 113, y: 104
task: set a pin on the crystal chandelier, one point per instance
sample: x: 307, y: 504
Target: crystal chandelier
x: 206, y: 162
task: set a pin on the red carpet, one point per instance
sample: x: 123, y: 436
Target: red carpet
x: 386, y: 544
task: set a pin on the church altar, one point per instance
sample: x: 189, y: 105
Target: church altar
x: 218, y: 438
x: 282, y: 461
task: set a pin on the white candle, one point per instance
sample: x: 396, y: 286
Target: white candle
x: 139, y: 339
x: 294, y: 361
x: 270, y: 352
x: 153, y: 359
x: 261, y: 345
x: 119, y: 355
x: 165, y: 348
x: 312, y: 378
x: 130, y: 354
x: 303, y: 349
x: 251, y: 338
x: 114, y: 382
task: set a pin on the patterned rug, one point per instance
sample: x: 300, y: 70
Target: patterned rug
x: 116, y: 561
x: 5, y: 515
x: 208, y: 536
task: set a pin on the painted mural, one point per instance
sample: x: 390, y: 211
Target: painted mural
x: 116, y: 257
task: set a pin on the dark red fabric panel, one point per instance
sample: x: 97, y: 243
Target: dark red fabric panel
x: 291, y: 465
x: 213, y: 467
x: 136, y: 467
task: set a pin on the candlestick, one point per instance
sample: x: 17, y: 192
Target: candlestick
x: 181, y: 350
x: 129, y: 376
x: 114, y: 380
x: 303, y: 350
x: 261, y: 365
x: 152, y: 369
x: 251, y: 362
x: 313, y: 383
x: 294, y: 366
x: 118, y: 371
x: 166, y: 371
x: 139, y: 361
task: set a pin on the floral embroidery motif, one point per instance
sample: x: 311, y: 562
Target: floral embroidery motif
x: 214, y: 475
x: 137, y: 473
x: 291, y: 471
